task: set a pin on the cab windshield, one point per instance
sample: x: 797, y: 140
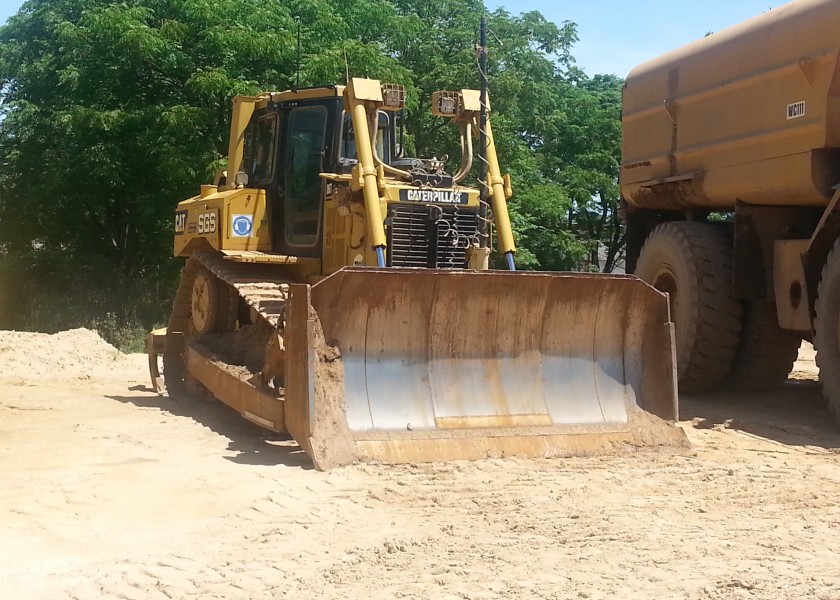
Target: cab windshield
x: 347, y: 147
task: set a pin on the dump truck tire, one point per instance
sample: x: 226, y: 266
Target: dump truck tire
x: 766, y: 353
x: 826, y: 338
x: 693, y: 263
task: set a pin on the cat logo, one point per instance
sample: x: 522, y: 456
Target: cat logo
x: 434, y: 196
x: 180, y: 222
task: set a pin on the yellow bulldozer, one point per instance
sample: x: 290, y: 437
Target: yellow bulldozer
x: 340, y: 292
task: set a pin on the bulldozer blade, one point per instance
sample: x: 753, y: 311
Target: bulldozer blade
x: 404, y: 365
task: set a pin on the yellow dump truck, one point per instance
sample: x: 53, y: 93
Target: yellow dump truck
x: 729, y: 180
x: 339, y: 291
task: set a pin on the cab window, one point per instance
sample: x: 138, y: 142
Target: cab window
x: 260, y: 144
x: 347, y: 147
x: 304, y: 159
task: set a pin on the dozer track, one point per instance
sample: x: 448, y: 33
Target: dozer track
x: 260, y: 286
x: 189, y: 357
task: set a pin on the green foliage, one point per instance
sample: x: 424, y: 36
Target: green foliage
x: 52, y: 291
x: 113, y: 112
x: 559, y: 132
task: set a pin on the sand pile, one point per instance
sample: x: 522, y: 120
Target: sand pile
x: 77, y: 352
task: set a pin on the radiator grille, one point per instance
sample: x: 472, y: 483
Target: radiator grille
x: 430, y: 236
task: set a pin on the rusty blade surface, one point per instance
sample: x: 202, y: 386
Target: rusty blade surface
x: 428, y: 349
x: 404, y: 365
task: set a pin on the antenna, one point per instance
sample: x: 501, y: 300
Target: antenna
x: 483, y: 206
x: 346, y: 69
x: 297, y: 70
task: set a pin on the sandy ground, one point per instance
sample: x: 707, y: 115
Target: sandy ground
x: 109, y: 491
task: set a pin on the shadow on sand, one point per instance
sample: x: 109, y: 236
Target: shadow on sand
x: 796, y: 415
x: 253, y: 445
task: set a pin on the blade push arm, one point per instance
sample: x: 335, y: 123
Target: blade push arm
x: 363, y: 95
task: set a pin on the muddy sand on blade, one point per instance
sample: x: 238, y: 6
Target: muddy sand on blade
x: 110, y: 491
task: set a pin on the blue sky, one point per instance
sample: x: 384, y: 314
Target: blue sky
x: 8, y: 8
x: 615, y: 36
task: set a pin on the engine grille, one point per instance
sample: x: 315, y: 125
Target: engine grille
x: 430, y: 236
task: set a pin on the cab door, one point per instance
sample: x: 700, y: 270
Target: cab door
x: 307, y: 148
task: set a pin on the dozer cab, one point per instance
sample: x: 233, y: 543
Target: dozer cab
x: 339, y: 292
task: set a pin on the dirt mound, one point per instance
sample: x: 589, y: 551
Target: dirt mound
x: 73, y: 353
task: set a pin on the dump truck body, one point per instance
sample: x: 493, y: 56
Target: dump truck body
x: 750, y: 114
x: 341, y: 293
x: 730, y: 166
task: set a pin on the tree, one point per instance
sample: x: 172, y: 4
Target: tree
x: 111, y: 113
x: 586, y: 153
x: 561, y: 138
